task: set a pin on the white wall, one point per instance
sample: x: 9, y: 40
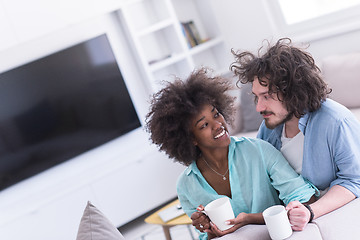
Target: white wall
x: 337, y: 44
x: 22, y: 20
x: 245, y: 24
x: 30, y: 29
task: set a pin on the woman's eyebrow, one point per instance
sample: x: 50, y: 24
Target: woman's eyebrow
x: 199, y: 121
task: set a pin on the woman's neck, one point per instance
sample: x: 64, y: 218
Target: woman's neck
x: 215, y: 169
x: 216, y: 159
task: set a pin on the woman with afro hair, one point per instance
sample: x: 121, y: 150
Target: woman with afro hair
x: 188, y: 121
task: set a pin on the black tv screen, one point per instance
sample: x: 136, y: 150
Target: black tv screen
x: 60, y: 106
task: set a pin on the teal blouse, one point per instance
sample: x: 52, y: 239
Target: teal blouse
x: 256, y: 171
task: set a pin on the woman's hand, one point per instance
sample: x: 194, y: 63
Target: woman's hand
x: 299, y: 215
x: 199, y: 220
x: 238, y: 222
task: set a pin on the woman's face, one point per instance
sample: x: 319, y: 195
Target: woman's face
x: 209, y: 129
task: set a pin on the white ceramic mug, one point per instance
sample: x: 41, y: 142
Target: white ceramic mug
x: 219, y: 211
x: 277, y: 222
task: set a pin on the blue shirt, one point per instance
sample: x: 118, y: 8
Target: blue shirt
x: 331, y: 146
x: 256, y: 171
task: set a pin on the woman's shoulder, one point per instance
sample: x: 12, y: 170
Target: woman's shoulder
x: 239, y: 139
x: 253, y: 146
x: 185, y: 175
x: 248, y: 140
x: 182, y: 179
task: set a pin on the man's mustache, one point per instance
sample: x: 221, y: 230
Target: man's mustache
x: 266, y: 113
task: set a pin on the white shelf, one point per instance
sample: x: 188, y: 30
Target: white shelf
x: 164, y: 63
x: 155, y: 29
x: 206, y: 45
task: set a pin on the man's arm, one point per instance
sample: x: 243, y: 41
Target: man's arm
x: 336, y: 197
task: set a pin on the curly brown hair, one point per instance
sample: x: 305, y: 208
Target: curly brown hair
x: 286, y: 70
x: 174, y: 106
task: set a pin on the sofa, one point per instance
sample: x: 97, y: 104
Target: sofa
x: 342, y: 73
x: 343, y: 223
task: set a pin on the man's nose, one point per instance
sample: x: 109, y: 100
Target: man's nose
x: 260, y: 106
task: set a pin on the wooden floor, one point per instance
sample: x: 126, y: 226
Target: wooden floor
x: 139, y: 230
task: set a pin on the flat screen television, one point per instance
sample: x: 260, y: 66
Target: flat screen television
x: 60, y: 106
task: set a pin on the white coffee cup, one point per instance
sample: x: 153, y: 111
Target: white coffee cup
x: 277, y: 222
x: 219, y: 211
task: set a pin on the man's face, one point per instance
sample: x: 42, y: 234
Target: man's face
x: 269, y: 106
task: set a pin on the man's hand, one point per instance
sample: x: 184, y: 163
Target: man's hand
x: 299, y: 215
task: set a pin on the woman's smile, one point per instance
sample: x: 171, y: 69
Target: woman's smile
x: 222, y: 133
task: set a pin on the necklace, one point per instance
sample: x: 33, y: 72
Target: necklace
x: 223, y: 175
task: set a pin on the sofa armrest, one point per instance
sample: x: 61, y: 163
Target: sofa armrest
x: 260, y: 232
x: 311, y: 231
x: 343, y: 223
x: 248, y: 232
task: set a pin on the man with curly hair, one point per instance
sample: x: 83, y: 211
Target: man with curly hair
x: 318, y: 136
x: 188, y: 121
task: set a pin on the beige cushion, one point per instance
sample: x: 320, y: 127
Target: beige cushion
x: 356, y: 112
x: 311, y: 232
x: 260, y: 232
x: 251, y: 119
x: 342, y: 73
x: 343, y: 223
x: 95, y: 226
x: 236, y: 127
x: 248, y: 232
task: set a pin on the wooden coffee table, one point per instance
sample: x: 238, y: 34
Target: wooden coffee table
x: 155, y: 219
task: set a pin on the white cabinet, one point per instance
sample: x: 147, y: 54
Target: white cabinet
x: 137, y: 188
x: 56, y: 220
x: 160, y: 43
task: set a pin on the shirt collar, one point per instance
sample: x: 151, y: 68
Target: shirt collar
x: 303, y: 122
x: 193, y: 167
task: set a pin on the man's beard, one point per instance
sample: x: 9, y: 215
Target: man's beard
x: 276, y: 124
